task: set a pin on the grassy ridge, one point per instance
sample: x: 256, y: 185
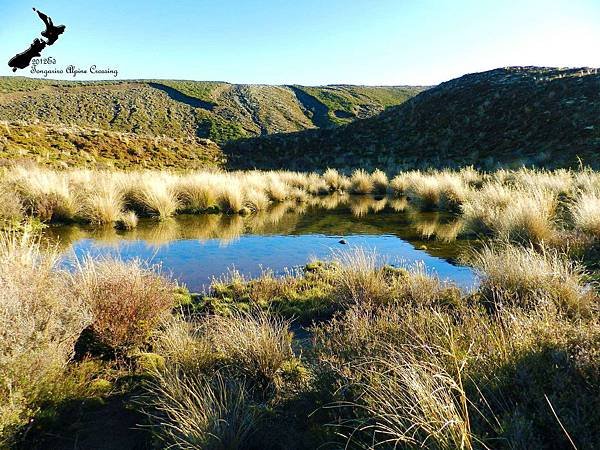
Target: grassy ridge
x: 71, y: 146
x: 163, y: 110
x: 224, y: 111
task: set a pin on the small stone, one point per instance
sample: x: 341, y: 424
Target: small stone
x: 343, y: 241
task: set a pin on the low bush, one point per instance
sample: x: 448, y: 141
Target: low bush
x: 127, y: 300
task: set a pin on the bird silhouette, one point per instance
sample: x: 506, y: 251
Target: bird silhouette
x: 52, y: 31
x: 23, y: 59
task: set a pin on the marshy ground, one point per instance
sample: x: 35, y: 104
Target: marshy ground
x: 345, y: 353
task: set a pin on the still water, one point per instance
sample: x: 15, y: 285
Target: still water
x: 196, y: 248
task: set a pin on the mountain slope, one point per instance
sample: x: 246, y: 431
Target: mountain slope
x: 212, y: 110
x: 518, y: 115
x: 165, y: 123
x: 67, y: 146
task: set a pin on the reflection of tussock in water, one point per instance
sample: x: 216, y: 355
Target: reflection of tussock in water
x: 436, y: 225
x: 329, y: 215
x: 398, y: 204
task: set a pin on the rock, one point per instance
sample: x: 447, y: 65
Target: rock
x: 343, y: 241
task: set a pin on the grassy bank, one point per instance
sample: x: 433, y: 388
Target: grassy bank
x: 393, y: 357
x: 523, y: 205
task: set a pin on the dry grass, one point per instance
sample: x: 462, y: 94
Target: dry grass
x: 357, y: 277
x: 11, y: 208
x: 586, y: 213
x: 529, y: 278
x: 380, y: 181
x: 409, y: 399
x: 40, y: 320
x: 514, y: 214
x: 127, y: 221
x: 335, y: 181
x: 103, y: 203
x: 194, y: 194
x: 256, y: 343
x: 216, y: 367
x: 200, y: 412
x: 127, y: 299
x: 361, y: 182
x: 154, y: 197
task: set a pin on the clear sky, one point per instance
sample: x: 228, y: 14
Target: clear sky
x: 375, y: 42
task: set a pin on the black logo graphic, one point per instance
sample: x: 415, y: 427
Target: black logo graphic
x: 52, y: 32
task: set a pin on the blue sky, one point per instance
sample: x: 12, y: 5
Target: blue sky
x: 375, y: 42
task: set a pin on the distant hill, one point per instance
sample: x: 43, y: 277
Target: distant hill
x: 126, y: 116
x: 511, y: 116
x: 212, y: 110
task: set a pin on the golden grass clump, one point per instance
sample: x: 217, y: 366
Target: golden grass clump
x: 357, y: 278
x: 214, y: 369
x: 229, y: 198
x: 529, y: 217
x: 257, y: 344
x: 254, y: 345
x: 11, y: 208
x: 528, y: 278
x: 410, y: 399
x: 276, y: 189
x: 335, y: 181
x: 127, y: 299
x: 127, y: 221
x: 585, y: 211
x: 195, y: 193
x: 361, y: 182
x: 103, y: 202
x: 46, y: 194
x: 196, y: 411
x: 514, y: 214
x: 380, y: 181
x: 154, y: 196
x: 40, y: 320
x: 400, y: 183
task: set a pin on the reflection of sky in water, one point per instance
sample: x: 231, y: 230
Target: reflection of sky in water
x: 195, y: 262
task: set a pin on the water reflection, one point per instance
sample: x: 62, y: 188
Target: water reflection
x: 196, y: 247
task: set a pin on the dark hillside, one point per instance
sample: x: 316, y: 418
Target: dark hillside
x: 511, y: 116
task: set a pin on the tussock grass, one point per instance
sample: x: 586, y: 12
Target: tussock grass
x: 103, y: 203
x: 196, y: 411
x: 254, y: 345
x: 409, y: 399
x: 335, y: 181
x: 380, y: 181
x: 127, y: 299
x: 230, y: 199
x: 513, y: 214
x: 218, y: 370
x: 529, y: 278
x: 127, y: 221
x: 40, y: 320
x: 46, y: 194
x: 194, y: 194
x: 11, y: 208
x: 357, y: 277
x: 361, y: 182
x: 586, y: 213
x: 154, y: 197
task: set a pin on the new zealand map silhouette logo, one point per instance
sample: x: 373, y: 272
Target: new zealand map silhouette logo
x: 51, y: 33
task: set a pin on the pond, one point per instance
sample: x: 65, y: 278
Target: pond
x: 196, y: 248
